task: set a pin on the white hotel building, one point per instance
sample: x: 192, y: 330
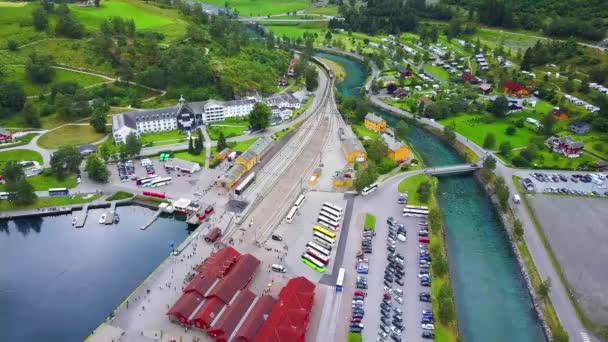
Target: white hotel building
x: 188, y: 116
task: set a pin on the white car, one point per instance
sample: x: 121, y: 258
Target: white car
x: 399, y: 292
x: 357, y: 302
x: 398, y: 299
x: 395, y: 330
x: 401, y: 237
x: 428, y: 326
x: 382, y: 334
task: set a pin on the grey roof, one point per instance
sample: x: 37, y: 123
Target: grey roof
x: 181, y: 164
x: 392, y: 143
x: 289, y: 98
x: 352, y: 145
x: 373, y: 117
x: 248, y: 155
x: 260, y: 145
x: 87, y: 148
x: 233, y: 174
x: 565, y: 140
x: 579, y: 124
x: 131, y: 118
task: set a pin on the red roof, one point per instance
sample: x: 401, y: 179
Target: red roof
x: 207, y: 313
x: 231, y: 317
x: 256, y: 318
x: 288, y: 319
x: 238, y: 278
x: 185, y: 306
x: 218, y: 263
x: 514, y: 87
x: 200, y: 283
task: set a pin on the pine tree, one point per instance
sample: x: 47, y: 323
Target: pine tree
x: 221, y: 142
x: 190, y: 146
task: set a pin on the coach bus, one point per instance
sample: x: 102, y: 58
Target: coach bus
x: 324, y: 231
x: 313, y: 263
x: 58, y: 192
x: 415, y: 211
x: 416, y: 207
x: 369, y: 189
x: 331, y: 211
x: 327, y: 222
x: 244, y: 184
x: 340, y: 280
x: 331, y: 206
x: 145, y: 179
x: 160, y: 182
x: 291, y: 214
x: 299, y: 201
x: 4, y: 195
x: 318, y: 247
x: 322, y: 258
x: 327, y: 213
x: 318, y: 237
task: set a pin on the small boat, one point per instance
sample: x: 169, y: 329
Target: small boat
x: 102, y: 219
x: 74, y: 219
x: 116, y: 218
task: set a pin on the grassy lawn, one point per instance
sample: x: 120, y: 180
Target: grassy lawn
x: 19, y: 155
x: 239, y: 146
x: 437, y: 71
x: 15, y: 20
x: 163, y: 138
x: 229, y: 130
x: 191, y: 157
x: 119, y: 195
x: 42, y: 202
x: 325, y: 10
x: 512, y: 40
x: 294, y: 30
x: 410, y: 185
x: 70, y: 135
x: 370, y: 221
x: 365, y: 133
x: 354, y: 337
x: 595, y: 143
x: 255, y: 8
x: 549, y: 160
x: 17, y: 73
x: 280, y: 134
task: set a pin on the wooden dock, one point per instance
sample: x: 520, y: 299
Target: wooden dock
x: 81, y: 218
x: 149, y: 223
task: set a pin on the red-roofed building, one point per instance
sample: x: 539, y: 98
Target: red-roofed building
x: 207, y: 313
x: 232, y: 315
x: 184, y: 307
x: 218, y: 263
x: 515, y: 88
x: 288, y: 320
x: 291, y: 71
x: 254, y: 320
x: 238, y: 278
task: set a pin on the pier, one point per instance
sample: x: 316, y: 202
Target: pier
x: 82, y: 217
x: 147, y: 224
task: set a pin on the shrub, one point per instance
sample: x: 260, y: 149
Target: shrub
x: 510, y: 130
x: 520, y: 123
x: 520, y: 161
x: 12, y: 45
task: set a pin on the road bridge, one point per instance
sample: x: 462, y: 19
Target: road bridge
x: 452, y: 169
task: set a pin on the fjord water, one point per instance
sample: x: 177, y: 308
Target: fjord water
x: 58, y: 283
x: 492, y: 302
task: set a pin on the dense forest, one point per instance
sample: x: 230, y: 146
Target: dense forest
x: 584, y: 19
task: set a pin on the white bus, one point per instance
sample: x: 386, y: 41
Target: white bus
x: 160, y: 182
x: 299, y: 201
x: 318, y: 265
x: 331, y: 206
x: 333, y: 220
x: 331, y: 211
x: 329, y: 214
x: 322, y: 238
x: 322, y: 243
x: 291, y: 214
x: 320, y: 257
x: 416, y: 207
x: 3, y: 195
x: 340, y: 280
x: 330, y: 224
x: 369, y: 189
x: 318, y: 248
x: 415, y: 211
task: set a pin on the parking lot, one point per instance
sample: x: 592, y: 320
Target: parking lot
x: 383, y: 204
x: 577, y: 232
x: 569, y: 183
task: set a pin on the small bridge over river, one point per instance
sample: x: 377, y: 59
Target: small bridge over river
x: 452, y: 169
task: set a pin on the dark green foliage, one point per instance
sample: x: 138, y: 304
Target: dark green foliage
x: 40, y: 18
x: 502, y: 192
x: 38, y: 68
x: 391, y: 16
x: 221, y: 142
x: 548, y: 122
x: 449, y: 133
x: 312, y: 78
x: 498, y: 107
x: 489, y: 141
x: 518, y: 230
x: 259, y: 118
x: 446, y: 304
x: 489, y: 163
x: 64, y: 161
x: 12, y: 45
x: 510, y: 130
x: 99, y: 117
x: 21, y: 192
x: 424, y: 191
x: 12, y: 97
x: 97, y: 169
x: 31, y: 116
x: 365, y: 177
x: 132, y: 146
x: 190, y: 146
x: 67, y: 25
x: 505, y: 148
x: 401, y: 129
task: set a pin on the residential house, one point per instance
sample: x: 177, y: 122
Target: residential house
x: 559, y: 114
x: 5, y: 136
x: 400, y: 92
x: 514, y: 88
x: 87, y: 149
x: 485, y: 88
x: 468, y: 77
x: 425, y: 100
x: 566, y: 146
x: 375, y: 123
x: 352, y: 147
x: 182, y: 165
x: 515, y: 104
x: 405, y: 72
x: 397, y: 151
x: 579, y: 127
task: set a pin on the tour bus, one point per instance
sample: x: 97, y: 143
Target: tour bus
x: 318, y: 237
x: 278, y: 268
x: 332, y: 212
x: 331, y: 206
x: 161, y: 182
x: 3, y: 195
x: 369, y: 189
x: 415, y: 211
x: 58, y: 192
x: 324, y: 231
x: 291, y: 214
x: 318, y: 247
x: 145, y: 179
x: 323, y: 243
x: 244, y: 184
x: 327, y: 222
x: 322, y: 258
x: 340, y: 280
x: 299, y: 201
x: 335, y: 220
x: 313, y: 263
x: 416, y: 207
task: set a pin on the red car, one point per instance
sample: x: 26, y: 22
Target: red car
x: 356, y: 320
x: 387, y: 296
x: 424, y: 240
x: 360, y: 293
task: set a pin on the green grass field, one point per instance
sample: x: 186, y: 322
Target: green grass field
x: 512, y: 40
x: 364, y: 132
x: 15, y: 20
x: 410, y: 185
x: 256, y: 8
x: 42, y: 202
x: 70, y: 135
x: 17, y: 73
x: 229, y: 130
x: 163, y: 138
x: 294, y: 30
x: 239, y: 146
x: 370, y: 221
x: 119, y: 195
x: 191, y: 157
x: 437, y: 71
x: 325, y: 10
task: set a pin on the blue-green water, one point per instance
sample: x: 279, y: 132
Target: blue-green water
x: 58, y: 283
x: 492, y: 302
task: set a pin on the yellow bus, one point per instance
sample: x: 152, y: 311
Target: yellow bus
x: 324, y: 231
